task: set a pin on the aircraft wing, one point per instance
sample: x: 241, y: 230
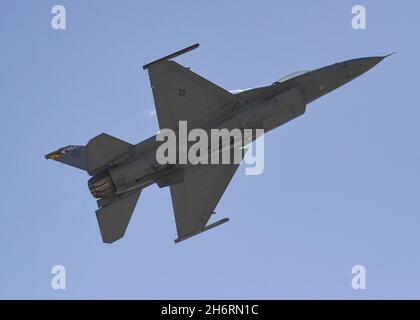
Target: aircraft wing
x: 181, y: 94
x: 195, y: 199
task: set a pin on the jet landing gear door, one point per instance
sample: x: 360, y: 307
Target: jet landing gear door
x: 285, y: 107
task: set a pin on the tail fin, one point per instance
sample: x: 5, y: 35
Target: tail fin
x: 74, y: 156
x: 99, y: 152
x: 102, y: 150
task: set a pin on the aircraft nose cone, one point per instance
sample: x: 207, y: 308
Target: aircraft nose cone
x: 372, y: 61
x: 367, y: 63
x: 359, y: 66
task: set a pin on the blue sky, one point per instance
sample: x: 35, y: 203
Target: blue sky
x: 340, y: 186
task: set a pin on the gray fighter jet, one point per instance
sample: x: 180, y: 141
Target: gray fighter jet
x: 120, y: 171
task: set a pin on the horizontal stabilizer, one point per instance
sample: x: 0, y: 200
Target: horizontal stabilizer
x: 113, y: 219
x: 102, y: 149
x: 74, y: 156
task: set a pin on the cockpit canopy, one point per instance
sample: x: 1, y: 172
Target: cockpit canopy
x: 290, y: 76
x: 282, y: 79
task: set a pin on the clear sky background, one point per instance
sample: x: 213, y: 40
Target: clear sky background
x: 340, y: 185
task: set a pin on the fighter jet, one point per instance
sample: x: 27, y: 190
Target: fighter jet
x: 120, y: 171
